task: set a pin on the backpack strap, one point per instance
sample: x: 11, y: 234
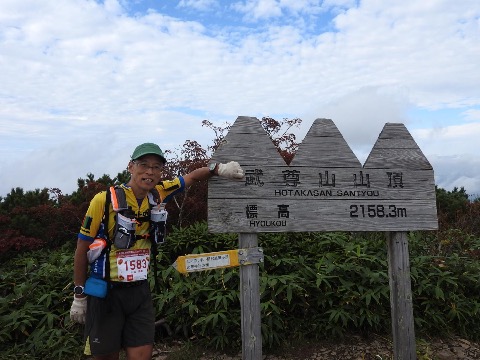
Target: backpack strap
x: 118, y: 198
x: 153, y: 197
x: 154, y: 200
x: 106, y: 216
x: 154, y: 250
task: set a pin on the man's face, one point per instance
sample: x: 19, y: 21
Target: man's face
x: 146, y: 172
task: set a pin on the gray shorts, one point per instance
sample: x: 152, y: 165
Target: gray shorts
x: 125, y: 318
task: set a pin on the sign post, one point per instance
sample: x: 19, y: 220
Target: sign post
x: 325, y: 188
x: 250, y: 303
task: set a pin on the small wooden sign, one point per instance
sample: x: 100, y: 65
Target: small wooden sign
x: 325, y: 188
x: 206, y: 261
x: 217, y: 260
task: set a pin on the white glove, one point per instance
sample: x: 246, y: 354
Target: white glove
x: 78, y: 309
x: 231, y: 170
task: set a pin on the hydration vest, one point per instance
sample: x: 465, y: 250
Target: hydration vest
x: 124, y: 235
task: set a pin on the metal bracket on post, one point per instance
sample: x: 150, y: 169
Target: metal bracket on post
x: 250, y: 256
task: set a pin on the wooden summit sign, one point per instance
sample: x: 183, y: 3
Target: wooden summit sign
x: 325, y: 188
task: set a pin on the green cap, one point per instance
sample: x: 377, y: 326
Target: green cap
x: 147, y: 149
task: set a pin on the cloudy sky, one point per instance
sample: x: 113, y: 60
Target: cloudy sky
x: 82, y: 82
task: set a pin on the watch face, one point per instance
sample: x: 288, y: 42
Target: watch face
x: 78, y: 290
x: 212, y: 166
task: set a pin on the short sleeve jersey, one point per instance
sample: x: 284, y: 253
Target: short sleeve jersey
x: 92, y: 227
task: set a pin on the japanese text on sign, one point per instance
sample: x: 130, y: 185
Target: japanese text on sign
x: 207, y: 262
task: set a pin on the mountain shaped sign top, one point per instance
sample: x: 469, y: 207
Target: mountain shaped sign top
x: 325, y: 188
x: 248, y: 143
x: 325, y: 146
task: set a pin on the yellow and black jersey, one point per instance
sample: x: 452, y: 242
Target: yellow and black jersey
x: 125, y: 264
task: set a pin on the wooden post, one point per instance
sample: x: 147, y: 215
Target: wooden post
x: 250, y: 303
x: 404, y: 347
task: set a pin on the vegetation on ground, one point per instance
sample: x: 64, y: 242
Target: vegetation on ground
x: 313, y: 285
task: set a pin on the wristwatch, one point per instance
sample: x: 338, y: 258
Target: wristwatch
x: 212, y: 166
x: 79, y: 290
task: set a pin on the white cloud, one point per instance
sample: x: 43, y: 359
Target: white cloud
x: 202, y: 5
x: 453, y: 153
x: 472, y: 115
x: 361, y: 115
x: 464, y: 136
x: 74, y: 72
x: 266, y: 9
x: 259, y: 9
x: 457, y: 171
x: 417, y: 44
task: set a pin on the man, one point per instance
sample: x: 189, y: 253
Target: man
x: 121, y: 314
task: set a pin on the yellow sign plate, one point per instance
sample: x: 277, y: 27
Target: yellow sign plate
x: 206, y: 261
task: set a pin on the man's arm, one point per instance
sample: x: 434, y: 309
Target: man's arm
x: 80, y: 266
x: 231, y: 170
x: 196, y: 175
x: 80, y: 263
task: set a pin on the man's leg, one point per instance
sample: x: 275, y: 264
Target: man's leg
x: 139, y: 329
x: 113, y: 356
x: 140, y: 352
x: 103, y: 328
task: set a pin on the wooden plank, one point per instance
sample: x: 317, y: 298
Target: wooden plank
x: 404, y: 347
x: 331, y: 183
x: 325, y: 146
x: 325, y: 188
x: 395, y: 143
x: 397, y: 158
x: 250, y: 303
x: 402, y: 152
x: 394, y: 131
x: 249, y: 144
x: 343, y: 204
x: 258, y: 215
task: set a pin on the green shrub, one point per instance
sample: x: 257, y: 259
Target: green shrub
x: 35, y: 299
x: 312, y: 286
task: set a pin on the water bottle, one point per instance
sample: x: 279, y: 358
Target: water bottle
x: 95, y: 249
x: 158, y: 218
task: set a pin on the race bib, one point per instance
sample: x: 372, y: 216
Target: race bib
x: 133, y: 265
